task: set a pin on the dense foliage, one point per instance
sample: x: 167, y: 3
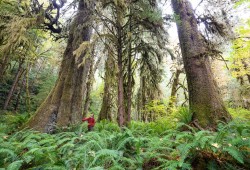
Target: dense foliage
x: 157, y: 145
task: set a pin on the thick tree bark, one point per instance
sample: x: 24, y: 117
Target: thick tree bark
x: 19, y: 73
x: 106, y: 109
x: 63, y: 106
x: 204, y: 99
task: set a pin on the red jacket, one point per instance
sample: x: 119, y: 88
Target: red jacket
x: 91, y: 121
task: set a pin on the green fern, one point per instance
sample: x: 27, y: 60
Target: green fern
x: 9, y: 155
x: 15, y: 165
x: 235, y: 153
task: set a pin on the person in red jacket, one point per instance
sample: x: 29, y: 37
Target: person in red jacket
x: 91, y: 122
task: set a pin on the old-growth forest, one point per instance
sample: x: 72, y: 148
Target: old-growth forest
x: 166, y: 81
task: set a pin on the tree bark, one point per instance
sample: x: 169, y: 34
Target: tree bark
x: 63, y: 105
x: 121, y: 110
x: 19, y: 73
x: 130, y: 76
x: 88, y: 89
x: 204, y: 99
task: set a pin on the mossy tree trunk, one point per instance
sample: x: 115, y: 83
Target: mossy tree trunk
x: 63, y: 105
x: 121, y: 109
x: 204, y: 99
x: 129, y: 84
x: 109, y: 83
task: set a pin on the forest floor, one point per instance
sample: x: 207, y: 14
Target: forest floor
x: 157, y: 145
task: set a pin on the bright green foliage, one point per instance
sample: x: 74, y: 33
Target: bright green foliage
x: 96, y: 99
x: 10, y: 122
x: 157, y: 107
x: 142, y: 146
x: 240, y: 113
x: 240, y: 2
x: 183, y: 115
x: 16, y: 33
x: 241, y: 49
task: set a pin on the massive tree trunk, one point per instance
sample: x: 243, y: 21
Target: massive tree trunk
x: 63, y: 106
x: 204, y: 99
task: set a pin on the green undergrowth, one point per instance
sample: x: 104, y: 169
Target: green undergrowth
x: 141, y: 146
x: 240, y: 113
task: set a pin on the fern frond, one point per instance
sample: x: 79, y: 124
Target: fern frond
x: 15, y: 165
x: 235, y: 154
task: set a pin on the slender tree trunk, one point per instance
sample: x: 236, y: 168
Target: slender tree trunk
x: 89, y: 85
x: 129, y: 86
x: 121, y: 110
x: 63, y: 105
x: 172, y: 101
x: 88, y: 89
x: 129, y: 91
x: 143, y: 98
x: 204, y: 99
x: 19, y: 73
x: 106, y: 109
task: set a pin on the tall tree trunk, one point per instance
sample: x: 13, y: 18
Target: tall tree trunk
x: 129, y: 90
x: 121, y: 110
x: 63, y: 105
x: 204, y: 99
x: 106, y: 109
x: 129, y: 85
x: 19, y: 73
x: 143, y: 98
x: 88, y: 89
